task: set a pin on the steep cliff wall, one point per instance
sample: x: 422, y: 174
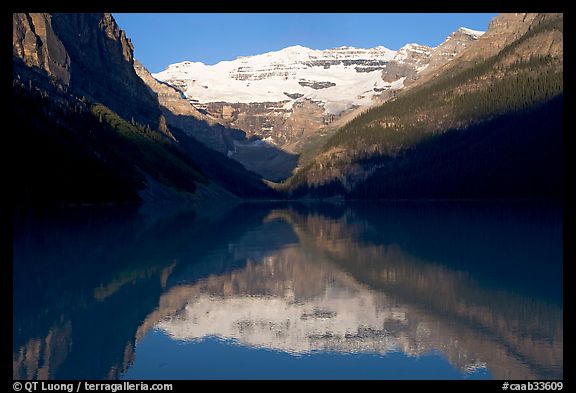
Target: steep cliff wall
x: 91, y: 56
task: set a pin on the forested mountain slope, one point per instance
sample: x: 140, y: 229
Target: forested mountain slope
x: 487, y: 126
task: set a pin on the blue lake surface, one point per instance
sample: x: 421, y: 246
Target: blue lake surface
x: 162, y: 357
x: 390, y: 290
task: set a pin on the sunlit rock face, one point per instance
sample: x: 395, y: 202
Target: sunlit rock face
x: 79, y: 51
x: 503, y: 30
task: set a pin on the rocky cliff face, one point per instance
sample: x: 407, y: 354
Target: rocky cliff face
x: 79, y: 99
x: 179, y: 113
x: 414, y: 61
x: 503, y: 30
x: 36, y: 43
x: 89, y: 55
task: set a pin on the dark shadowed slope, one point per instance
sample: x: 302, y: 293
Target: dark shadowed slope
x: 488, y: 126
x: 88, y: 129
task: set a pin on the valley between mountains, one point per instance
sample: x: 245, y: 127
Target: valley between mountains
x: 478, y: 116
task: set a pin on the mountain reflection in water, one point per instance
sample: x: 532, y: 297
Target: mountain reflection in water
x: 477, y: 284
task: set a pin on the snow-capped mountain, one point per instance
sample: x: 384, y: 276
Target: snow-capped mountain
x: 339, y: 78
x: 284, y: 97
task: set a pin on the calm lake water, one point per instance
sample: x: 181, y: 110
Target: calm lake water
x: 404, y: 290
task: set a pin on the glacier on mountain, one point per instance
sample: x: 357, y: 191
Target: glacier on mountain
x: 339, y: 78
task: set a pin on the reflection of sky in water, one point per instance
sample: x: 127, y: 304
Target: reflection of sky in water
x: 400, y: 291
x: 158, y: 356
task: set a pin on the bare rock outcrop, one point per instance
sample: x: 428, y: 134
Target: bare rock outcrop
x: 89, y: 55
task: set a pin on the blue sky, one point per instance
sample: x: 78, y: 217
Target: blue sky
x: 163, y: 39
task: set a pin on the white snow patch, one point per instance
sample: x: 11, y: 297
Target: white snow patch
x: 336, y: 107
x: 404, y: 52
x: 474, y: 33
x: 288, y: 106
x: 398, y: 83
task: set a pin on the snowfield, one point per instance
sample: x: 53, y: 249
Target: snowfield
x: 339, y: 78
x: 267, y: 77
